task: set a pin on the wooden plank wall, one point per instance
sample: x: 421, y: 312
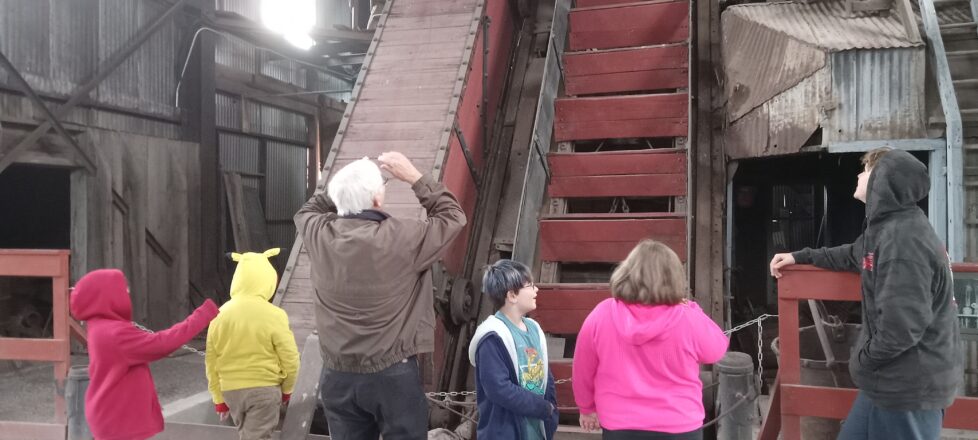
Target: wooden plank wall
x: 141, y: 206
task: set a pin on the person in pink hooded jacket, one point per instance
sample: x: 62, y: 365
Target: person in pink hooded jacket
x: 638, y: 355
x: 121, y: 401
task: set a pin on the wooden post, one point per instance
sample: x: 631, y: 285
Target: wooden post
x: 199, y: 95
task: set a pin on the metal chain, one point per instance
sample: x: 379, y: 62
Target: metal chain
x: 450, y: 394
x: 748, y: 324
x: 760, y: 356
x: 185, y: 347
x: 472, y: 393
x: 760, y: 348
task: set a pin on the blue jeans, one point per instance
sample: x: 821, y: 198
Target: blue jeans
x: 866, y: 421
x: 365, y: 406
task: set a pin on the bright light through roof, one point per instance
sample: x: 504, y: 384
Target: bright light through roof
x: 291, y: 18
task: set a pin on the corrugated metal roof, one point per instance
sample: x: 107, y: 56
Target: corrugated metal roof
x: 826, y: 25
x: 759, y: 63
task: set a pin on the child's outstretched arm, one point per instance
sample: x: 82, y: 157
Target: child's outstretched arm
x: 139, y: 347
x: 288, y: 354
x: 491, y: 362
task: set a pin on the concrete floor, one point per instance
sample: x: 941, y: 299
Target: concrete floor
x: 28, y: 388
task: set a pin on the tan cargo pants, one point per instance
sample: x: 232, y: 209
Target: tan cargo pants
x: 255, y: 411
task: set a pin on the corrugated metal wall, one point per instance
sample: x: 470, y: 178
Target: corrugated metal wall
x: 285, y: 189
x: 324, y: 81
x: 240, y: 154
x: 879, y: 93
x: 277, y: 168
x: 58, y: 44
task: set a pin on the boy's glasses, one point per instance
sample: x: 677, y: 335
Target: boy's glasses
x: 386, y: 179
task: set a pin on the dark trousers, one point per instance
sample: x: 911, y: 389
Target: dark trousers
x: 364, y: 406
x: 866, y: 421
x: 627, y: 434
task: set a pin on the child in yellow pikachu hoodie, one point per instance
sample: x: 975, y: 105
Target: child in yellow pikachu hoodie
x: 252, y: 359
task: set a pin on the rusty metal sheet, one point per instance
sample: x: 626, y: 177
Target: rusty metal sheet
x: 783, y: 124
x: 795, y: 114
x: 748, y: 136
x: 760, y: 62
x: 826, y: 25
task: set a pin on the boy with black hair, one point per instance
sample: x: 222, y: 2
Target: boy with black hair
x: 515, y: 390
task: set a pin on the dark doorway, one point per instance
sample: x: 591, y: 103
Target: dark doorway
x: 35, y: 213
x: 784, y: 204
x: 35, y: 208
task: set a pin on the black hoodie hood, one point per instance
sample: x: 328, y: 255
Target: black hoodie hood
x: 897, y: 183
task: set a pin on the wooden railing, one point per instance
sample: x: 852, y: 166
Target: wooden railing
x: 51, y: 264
x: 790, y: 399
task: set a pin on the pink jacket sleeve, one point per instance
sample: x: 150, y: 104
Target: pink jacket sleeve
x: 709, y: 342
x: 585, y: 367
x: 139, y: 347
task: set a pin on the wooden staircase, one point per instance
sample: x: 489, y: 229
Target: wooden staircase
x: 619, y: 172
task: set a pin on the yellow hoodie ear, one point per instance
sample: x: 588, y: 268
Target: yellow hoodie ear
x: 272, y: 252
x: 236, y: 256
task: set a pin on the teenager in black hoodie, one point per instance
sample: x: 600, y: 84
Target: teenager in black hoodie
x: 907, y: 362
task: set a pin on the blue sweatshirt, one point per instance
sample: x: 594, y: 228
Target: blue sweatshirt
x: 503, y: 403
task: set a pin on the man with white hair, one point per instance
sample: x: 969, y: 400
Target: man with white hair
x: 374, y: 302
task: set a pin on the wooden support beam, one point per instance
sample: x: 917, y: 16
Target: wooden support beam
x: 198, y: 99
x: 51, y: 118
x: 263, y: 89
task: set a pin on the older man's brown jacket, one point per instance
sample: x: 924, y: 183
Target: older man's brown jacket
x: 371, y: 273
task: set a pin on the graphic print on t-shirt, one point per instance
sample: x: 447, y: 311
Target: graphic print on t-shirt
x: 531, y: 374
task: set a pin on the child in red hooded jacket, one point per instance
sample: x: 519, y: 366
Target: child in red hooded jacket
x: 121, y: 401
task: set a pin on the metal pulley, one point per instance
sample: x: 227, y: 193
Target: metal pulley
x: 461, y: 301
